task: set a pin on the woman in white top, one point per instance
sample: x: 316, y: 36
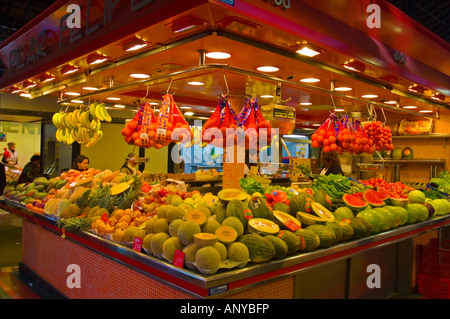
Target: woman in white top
x: 9, y: 159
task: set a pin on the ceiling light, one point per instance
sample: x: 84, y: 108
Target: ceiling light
x: 354, y: 66
x: 370, y: 96
x: 218, y: 55
x: 305, y: 103
x: 134, y: 45
x: 268, y: 68
x: 410, y: 107
x: 343, y: 89
x: 189, y: 113
x: 185, y: 107
x: 309, y: 50
x: 15, y: 90
x: 390, y: 102
x: 438, y: 97
x: 196, y: 83
x: 113, y: 98
x: 72, y: 93
x: 67, y: 69
x: 47, y: 78
x: 96, y: 59
x: 310, y: 80
x: 153, y: 103
x: 28, y: 84
x: 119, y: 106
x: 77, y: 101
x: 267, y: 96
x: 139, y: 75
x: 339, y: 110
x: 90, y: 88
x: 416, y: 88
x: 317, y: 124
x: 25, y: 95
x: 426, y: 111
x: 185, y: 24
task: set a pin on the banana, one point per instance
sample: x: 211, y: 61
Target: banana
x: 54, y: 120
x: 58, y: 131
x: 85, y: 119
x: 98, y: 112
x: 93, y: 140
x: 84, y: 135
x: 105, y: 113
x: 63, y: 120
x: 92, y: 108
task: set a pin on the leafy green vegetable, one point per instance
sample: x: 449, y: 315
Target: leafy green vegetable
x: 250, y: 185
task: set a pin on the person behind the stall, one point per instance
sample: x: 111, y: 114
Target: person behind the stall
x: 331, y: 164
x: 31, y: 170
x: 129, y: 167
x: 10, y: 159
x: 81, y: 163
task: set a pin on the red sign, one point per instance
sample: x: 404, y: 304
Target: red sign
x: 137, y: 244
x: 178, y: 258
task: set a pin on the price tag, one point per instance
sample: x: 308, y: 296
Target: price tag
x: 143, y: 135
x: 178, y: 258
x: 104, y: 218
x: 137, y: 244
x: 292, y: 225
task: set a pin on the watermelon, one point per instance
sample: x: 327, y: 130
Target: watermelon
x: 326, y: 235
x: 416, y: 196
x: 300, y: 203
x: 291, y: 240
x: 308, y: 239
x: 259, y: 207
x: 322, y: 197
x: 386, y: 217
x: 372, y: 197
x: 423, y: 213
x: 281, y: 248
x: 354, y: 202
x: 398, y: 215
x: 259, y: 248
x: 373, y: 219
x: 237, y: 208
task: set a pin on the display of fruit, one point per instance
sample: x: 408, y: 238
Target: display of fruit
x: 326, y: 135
x: 380, y: 135
x: 81, y: 125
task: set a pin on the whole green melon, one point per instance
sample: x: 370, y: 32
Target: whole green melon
x: 260, y: 249
x: 308, y: 239
x: 281, y: 248
x: 259, y: 208
x: 291, y: 240
x: 387, y: 218
x: 399, y: 216
x: 343, y: 212
x: 236, y: 208
x: 326, y: 235
x: 416, y: 196
x: 300, y: 203
x: 347, y: 231
x: 373, y: 218
x: 336, y: 229
x: 413, y: 213
x: 281, y: 207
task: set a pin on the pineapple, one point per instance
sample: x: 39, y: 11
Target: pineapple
x: 72, y: 210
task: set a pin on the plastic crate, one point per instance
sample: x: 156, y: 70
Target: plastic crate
x: 433, y: 286
x: 434, y: 259
x: 431, y: 187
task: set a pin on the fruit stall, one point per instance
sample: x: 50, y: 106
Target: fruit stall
x: 279, y: 231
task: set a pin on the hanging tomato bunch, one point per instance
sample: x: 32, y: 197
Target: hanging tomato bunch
x: 325, y: 136
x: 381, y: 135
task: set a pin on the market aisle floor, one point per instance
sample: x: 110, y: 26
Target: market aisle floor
x: 11, y: 287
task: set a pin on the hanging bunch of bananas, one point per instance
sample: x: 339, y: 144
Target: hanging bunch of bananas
x: 82, y: 125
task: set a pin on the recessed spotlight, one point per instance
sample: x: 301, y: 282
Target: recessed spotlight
x: 139, y: 76
x: 218, y: 55
x: 268, y: 68
x: 310, y: 80
x: 309, y: 50
x: 390, y: 102
x: 47, y: 78
x: 370, y: 96
x: 189, y: 113
x: 339, y: 110
x: 305, y: 103
x: 72, y: 93
x: 90, y: 88
x: 67, y: 69
x: 410, y: 107
x: 153, y: 103
x: 28, y: 84
x: 343, y: 89
x: 113, y: 98
x: 438, y: 97
x: 134, y: 45
x: 426, y: 111
x: 119, y: 106
x: 196, y: 83
x: 267, y: 96
x: 96, y: 59
x: 77, y: 101
x: 25, y: 95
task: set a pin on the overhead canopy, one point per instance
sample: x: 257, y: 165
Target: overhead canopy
x: 394, y: 58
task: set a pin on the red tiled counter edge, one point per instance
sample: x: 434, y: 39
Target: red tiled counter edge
x: 109, y: 273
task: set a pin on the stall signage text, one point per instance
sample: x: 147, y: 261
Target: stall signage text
x: 282, y: 4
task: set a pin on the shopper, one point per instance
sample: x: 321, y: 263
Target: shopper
x: 331, y: 164
x: 31, y: 170
x: 81, y: 163
x: 129, y: 167
x: 9, y: 158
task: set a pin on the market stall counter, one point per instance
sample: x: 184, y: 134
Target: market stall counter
x: 378, y: 266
